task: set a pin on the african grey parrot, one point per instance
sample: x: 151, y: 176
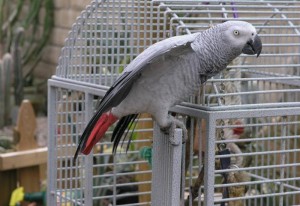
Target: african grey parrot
x: 164, y: 75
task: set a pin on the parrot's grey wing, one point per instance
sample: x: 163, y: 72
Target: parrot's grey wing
x: 122, y: 86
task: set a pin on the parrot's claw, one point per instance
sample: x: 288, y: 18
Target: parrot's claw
x: 171, y: 130
x: 181, y: 125
x: 165, y: 130
x: 171, y: 135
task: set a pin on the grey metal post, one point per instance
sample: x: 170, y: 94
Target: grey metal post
x: 209, y: 162
x: 166, y: 169
x: 88, y: 160
x: 51, y: 169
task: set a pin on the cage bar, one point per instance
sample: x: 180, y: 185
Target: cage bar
x: 252, y: 108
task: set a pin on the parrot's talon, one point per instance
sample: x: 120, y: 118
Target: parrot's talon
x: 173, y: 141
x: 177, y: 123
x: 170, y: 132
x: 181, y: 125
x: 165, y: 130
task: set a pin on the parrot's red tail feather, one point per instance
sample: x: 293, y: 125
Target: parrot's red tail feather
x: 102, y: 125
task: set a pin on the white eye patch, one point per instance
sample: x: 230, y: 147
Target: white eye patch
x: 236, y: 32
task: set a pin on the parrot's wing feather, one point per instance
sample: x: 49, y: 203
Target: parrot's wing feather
x: 122, y: 86
x: 158, y: 49
x: 123, y: 124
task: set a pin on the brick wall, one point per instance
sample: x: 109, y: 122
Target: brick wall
x: 65, y: 14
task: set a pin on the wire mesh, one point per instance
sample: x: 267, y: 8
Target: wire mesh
x: 252, y: 110
x: 101, y: 179
x: 103, y: 40
x: 264, y: 160
x: 251, y: 82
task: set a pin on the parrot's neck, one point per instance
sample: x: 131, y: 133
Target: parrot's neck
x: 218, y: 52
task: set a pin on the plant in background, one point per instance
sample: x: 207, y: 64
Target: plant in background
x: 5, y: 79
x: 25, y: 28
x: 28, y: 16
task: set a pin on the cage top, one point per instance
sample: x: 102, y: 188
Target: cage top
x: 104, y: 39
x: 110, y: 34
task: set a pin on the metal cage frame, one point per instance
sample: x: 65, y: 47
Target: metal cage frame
x: 168, y: 18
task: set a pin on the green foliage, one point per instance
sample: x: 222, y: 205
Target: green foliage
x: 146, y: 154
x: 15, y: 15
x: 18, y: 74
x: 5, y: 79
x: 21, y: 27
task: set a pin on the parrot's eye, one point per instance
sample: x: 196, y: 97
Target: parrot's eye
x: 236, y: 32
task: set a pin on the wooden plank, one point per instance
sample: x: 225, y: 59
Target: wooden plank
x: 15, y: 160
x: 43, y: 172
x: 29, y: 178
x: 8, y: 180
x: 22, y: 167
x: 145, y: 166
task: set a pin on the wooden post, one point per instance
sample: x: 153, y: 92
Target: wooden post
x: 21, y: 168
x: 26, y: 126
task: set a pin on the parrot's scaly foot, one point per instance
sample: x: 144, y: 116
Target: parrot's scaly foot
x: 181, y: 125
x: 171, y: 130
x: 165, y: 130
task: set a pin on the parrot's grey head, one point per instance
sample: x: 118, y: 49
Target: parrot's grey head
x: 242, y: 36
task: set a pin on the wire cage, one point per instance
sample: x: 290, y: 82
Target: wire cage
x: 244, y: 124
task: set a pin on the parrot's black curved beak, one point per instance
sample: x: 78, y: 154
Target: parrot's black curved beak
x: 253, y: 46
